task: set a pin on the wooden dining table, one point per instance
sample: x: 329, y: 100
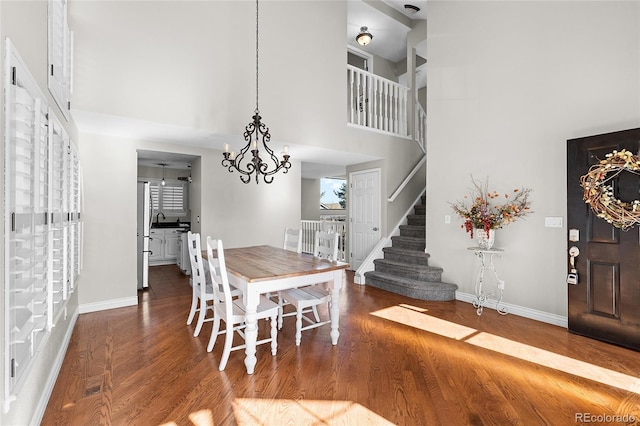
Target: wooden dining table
x: 265, y: 269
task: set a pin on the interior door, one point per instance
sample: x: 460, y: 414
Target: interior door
x: 364, y: 212
x: 605, y: 302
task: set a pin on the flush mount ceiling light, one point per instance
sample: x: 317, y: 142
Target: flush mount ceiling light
x: 411, y: 9
x: 257, y: 130
x: 364, y: 37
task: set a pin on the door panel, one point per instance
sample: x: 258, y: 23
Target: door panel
x: 365, y: 214
x: 605, y: 304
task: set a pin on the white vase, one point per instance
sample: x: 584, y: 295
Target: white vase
x: 485, y: 241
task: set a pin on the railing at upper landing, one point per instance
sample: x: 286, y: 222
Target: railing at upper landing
x: 383, y: 105
x: 377, y: 103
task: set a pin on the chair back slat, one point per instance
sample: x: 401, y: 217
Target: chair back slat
x: 198, y: 276
x: 326, y: 245
x: 292, y: 240
x: 218, y: 272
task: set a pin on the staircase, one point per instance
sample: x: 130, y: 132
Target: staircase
x: 405, y: 268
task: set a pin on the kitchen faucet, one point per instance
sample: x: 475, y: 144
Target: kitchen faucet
x: 163, y: 216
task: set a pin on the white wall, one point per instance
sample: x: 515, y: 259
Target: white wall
x: 310, y: 199
x: 509, y: 83
x: 239, y: 214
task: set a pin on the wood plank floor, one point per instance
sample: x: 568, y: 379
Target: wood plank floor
x: 398, y: 361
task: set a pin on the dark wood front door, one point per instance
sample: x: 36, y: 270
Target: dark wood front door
x: 605, y: 303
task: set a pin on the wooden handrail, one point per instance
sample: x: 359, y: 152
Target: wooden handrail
x: 406, y: 180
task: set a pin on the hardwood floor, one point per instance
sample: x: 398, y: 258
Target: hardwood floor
x: 398, y: 361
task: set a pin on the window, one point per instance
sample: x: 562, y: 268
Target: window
x: 333, y: 194
x: 170, y: 199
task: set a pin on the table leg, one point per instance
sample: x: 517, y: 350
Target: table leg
x: 335, y: 306
x: 251, y: 331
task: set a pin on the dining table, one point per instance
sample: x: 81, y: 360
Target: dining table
x: 264, y: 269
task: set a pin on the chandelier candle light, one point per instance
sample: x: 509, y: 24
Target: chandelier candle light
x: 255, y: 133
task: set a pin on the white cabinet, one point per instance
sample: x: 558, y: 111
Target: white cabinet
x: 184, y: 263
x: 164, y: 246
x: 171, y: 237
x: 156, y: 244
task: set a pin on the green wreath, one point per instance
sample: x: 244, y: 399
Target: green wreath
x: 598, y: 190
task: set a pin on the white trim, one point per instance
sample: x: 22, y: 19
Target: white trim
x: 382, y: 132
x: 520, y: 311
x: 367, y: 264
x: 40, y: 408
x: 108, y: 304
x: 362, y: 54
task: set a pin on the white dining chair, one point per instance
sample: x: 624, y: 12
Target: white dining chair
x: 307, y: 299
x: 292, y: 240
x: 202, y: 293
x: 232, y: 311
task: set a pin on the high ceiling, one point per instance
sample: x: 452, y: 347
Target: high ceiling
x: 387, y: 20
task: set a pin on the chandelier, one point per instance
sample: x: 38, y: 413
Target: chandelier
x: 256, y: 133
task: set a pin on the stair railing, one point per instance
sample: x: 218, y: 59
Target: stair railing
x: 406, y: 180
x: 377, y: 103
x: 309, y: 228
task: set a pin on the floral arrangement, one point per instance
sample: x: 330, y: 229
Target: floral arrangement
x: 598, y: 190
x: 481, y: 208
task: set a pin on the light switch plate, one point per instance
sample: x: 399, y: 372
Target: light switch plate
x: 553, y: 222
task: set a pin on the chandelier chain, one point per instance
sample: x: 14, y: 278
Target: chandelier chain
x: 257, y: 90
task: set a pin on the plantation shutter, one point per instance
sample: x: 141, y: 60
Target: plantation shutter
x: 60, y: 55
x: 173, y: 198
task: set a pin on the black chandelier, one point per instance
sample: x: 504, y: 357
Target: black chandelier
x: 254, y: 133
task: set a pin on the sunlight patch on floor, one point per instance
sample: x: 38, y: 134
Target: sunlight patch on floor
x: 555, y: 361
x: 409, y: 316
x: 303, y: 412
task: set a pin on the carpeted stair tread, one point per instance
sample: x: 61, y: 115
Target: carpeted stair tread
x: 413, y: 266
x: 408, y: 270
x: 412, y: 230
x: 406, y: 255
x: 412, y: 243
x: 417, y: 289
x: 416, y: 219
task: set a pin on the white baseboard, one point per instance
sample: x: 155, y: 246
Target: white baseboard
x: 520, y: 311
x: 108, y: 304
x: 53, y: 374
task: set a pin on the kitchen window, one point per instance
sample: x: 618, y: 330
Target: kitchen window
x: 170, y: 199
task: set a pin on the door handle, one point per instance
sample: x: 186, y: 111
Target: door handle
x: 375, y: 228
x: 572, y: 278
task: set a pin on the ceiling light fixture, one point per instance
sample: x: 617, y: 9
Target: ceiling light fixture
x: 411, y: 9
x: 163, y: 183
x: 364, y: 37
x: 261, y: 131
